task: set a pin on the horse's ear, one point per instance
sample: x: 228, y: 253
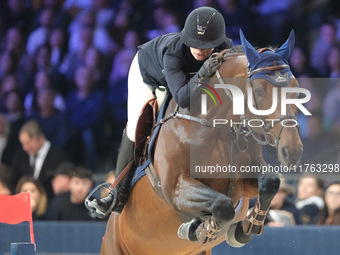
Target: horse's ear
x: 251, y: 54
x: 287, y: 48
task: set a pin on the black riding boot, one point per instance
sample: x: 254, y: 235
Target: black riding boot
x: 125, y: 156
x: 120, y: 193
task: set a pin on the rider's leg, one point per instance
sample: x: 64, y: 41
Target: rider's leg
x: 125, y: 156
x: 138, y: 94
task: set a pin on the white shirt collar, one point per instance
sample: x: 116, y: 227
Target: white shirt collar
x: 41, y: 155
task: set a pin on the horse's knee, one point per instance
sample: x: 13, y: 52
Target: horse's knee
x: 223, y: 210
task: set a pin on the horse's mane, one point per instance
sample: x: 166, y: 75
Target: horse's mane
x: 237, y: 49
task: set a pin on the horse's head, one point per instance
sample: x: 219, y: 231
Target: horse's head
x: 270, y: 78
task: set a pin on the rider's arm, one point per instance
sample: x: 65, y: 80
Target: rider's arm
x: 179, y: 85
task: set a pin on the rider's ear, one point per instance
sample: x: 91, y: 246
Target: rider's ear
x: 287, y: 48
x: 252, y: 55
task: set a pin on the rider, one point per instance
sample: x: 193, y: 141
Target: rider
x: 166, y: 61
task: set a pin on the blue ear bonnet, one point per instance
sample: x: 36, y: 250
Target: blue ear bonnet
x: 279, y: 78
x: 269, y: 58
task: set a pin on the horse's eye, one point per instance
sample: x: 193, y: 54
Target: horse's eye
x: 259, y: 92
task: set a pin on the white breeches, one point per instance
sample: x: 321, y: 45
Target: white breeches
x: 138, y: 94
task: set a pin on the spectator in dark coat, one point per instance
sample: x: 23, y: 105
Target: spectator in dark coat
x: 37, y: 158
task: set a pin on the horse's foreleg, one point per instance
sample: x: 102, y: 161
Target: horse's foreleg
x: 242, y: 232
x: 268, y: 187
x: 209, y: 208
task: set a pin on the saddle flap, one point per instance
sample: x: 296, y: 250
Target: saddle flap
x: 144, y: 126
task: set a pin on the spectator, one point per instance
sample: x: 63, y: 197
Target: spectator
x: 39, y: 36
x: 85, y: 110
x: 8, y: 145
x: 322, y: 45
x: 299, y: 63
x: 42, y: 80
x: 5, y: 188
x: 39, y: 62
x: 8, y: 64
x: 76, y: 57
x: 52, y: 121
x: 330, y: 215
x: 333, y: 61
x: 317, y: 141
x: 62, y: 177
x: 87, y: 18
x: 58, y: 43
x: 39, y: 201
x: 309, y: 195
x: 15, y: 13
x: 331, y: 107
x: 14, y: 113
x: 15, y: 42
x: 7, y: 84
x: 70, y: 206
x: 37, y: 158
x: 95, y: 61
x: 165, y: 22
x: 282, y: 211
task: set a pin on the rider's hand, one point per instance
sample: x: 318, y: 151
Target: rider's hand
x: 209, y: 67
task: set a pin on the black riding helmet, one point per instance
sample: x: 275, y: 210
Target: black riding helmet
x: 204, y: 29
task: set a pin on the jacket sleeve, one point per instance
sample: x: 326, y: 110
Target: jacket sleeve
x: 180, y: 87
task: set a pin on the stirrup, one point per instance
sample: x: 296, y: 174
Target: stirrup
x: 92, y: 205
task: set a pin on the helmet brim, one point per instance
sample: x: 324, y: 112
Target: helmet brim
x: 198, y: 44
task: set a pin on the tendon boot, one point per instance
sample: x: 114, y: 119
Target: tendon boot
x: 117, y: 197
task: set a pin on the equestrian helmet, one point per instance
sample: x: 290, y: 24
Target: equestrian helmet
x: 204, y: 29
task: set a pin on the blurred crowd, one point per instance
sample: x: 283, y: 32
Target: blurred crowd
x: 64, y: 67
x: 311, y: 203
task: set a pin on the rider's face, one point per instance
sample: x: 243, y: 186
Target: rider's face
x: 201, y: 54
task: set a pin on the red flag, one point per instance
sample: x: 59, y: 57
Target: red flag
x: 16, y: 209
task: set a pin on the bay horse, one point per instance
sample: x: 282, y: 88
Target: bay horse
x: 194, y: 214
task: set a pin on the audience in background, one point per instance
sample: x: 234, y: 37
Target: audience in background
x: 62, y: 177
x: 282, y: 210
x: 5, y: 188
x: 39, y: 201
x: 37, y: 158
x: 85, y: 109
x: 69, y: 206
x: 310, y: 198
x: 330, y: 215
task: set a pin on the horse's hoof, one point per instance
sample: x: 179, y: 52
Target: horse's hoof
x: 207, y: 231
x: 187, y: 230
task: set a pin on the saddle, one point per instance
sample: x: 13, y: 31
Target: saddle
x: 146, y: 135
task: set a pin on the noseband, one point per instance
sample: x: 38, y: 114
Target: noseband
x: 270, y: 138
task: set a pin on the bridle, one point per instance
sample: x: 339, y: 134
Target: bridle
x: 270, y: 138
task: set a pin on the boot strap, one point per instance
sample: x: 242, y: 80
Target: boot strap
x: 252, y: 220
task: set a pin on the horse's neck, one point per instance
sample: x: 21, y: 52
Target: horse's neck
x: 233, y: 72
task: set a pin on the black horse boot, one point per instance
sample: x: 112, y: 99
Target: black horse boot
x: 117, y: 197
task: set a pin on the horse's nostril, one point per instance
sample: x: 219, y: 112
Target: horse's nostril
x: 285, y: 153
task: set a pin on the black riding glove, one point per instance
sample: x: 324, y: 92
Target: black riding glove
x: 209, y: 67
